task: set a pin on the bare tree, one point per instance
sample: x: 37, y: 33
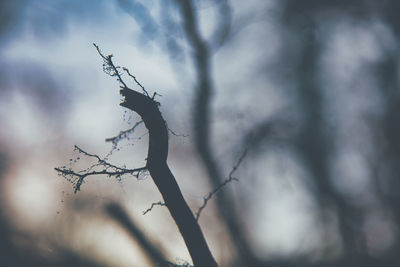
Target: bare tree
x: 147, y: 108
x: 336, y: 69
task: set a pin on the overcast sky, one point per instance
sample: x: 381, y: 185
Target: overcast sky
x: 54, y: 95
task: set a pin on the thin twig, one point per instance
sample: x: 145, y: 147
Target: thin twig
x: 78, y: 177
x: 238, y: 163
x: 136, y: 81
x: 179, y: 135
x: 112, y: 70
x: 159, y: 203
x: 81, y: 176
x: 122, y: 135
x: 109, y: 67
x: 227, y: 180
x: 101, y: 162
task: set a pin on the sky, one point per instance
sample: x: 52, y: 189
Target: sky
x: 54, y: 95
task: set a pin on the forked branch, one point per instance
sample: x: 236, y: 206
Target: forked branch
x: 101, y: 167
x: 148, y: 109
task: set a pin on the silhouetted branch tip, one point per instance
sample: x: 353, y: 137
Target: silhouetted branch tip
x: 176, y: 134
x: 227, y: 180
x: 111, y: 69
x: 122, y: 135
x: 137, y: 82
x: 238, y: 163
x: 154, y: 98
x: 159, y: 203
x: 77, y: 178
x: 99, y: 51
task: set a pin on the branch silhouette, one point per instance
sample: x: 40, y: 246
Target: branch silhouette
x: 148, y: 109
x: 218, y: 188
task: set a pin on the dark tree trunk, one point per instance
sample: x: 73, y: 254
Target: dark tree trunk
x: 157, y: 165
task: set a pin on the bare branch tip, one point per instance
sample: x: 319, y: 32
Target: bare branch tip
x: 159, y: 203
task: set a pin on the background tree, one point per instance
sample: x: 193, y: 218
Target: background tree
x: 307, y: 88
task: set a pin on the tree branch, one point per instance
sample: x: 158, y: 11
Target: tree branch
x: 78, y: 178
x: 227, y: 180
x: 159, y: 203
x: 122, y: 135
x: 148, y: 109
x: 201, y: 117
